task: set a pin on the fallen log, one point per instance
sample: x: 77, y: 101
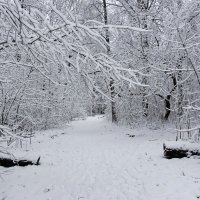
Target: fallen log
x: 180, y: 149
x: 8, y: 162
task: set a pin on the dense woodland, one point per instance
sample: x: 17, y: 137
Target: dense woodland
x: 99, y: 99
x: 133, y: 60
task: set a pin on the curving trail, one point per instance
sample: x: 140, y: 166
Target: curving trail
x: 94, y: 160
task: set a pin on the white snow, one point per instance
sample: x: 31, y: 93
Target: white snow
x: 183, y: 145
x: 94, y: 160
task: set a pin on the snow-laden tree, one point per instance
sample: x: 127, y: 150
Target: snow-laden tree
x: 182, y: 31
x: 167, y: 57
x: 47, y: 53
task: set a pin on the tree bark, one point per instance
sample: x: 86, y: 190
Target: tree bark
x: 111, y: 84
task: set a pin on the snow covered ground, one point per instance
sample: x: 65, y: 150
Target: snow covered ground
x: 94, y: 160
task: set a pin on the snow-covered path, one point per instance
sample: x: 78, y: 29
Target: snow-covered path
x: 94, y: 160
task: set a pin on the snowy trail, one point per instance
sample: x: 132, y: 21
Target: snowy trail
x: 97, y: 161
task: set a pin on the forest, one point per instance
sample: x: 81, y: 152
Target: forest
x: 133, y: 60
x: 74, y: 71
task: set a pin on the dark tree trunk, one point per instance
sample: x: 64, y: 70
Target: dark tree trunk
x: 167, y: 107
x: 111, y: 84
x: 113, y: 104
x: 167, y: 99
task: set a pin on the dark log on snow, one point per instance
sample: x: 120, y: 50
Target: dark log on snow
x: 180, y: 149
x: 7, y: 162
